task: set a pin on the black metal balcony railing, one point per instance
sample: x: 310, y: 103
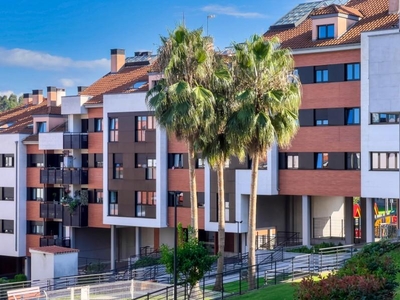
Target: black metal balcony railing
x: 75, y: 140
x: 64, y: 176
x: 54, y: 241
x: 51, y: 210
x: 78, y: 218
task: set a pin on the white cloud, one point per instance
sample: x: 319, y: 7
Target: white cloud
x: 231, y: 11
x: 7, y: 93
x: 44, y: 61
x: 67, y: 82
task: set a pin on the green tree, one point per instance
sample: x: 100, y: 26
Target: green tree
x: 193, y: 259
x: 181, y: 103
x: 267, y: 111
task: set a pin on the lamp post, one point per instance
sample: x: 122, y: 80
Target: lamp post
x: 209, y: 17
x: 176, y: 195
x: 239, y: 243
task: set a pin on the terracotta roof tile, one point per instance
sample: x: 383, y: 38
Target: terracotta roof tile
x: 116, y: 83
x: 54, y: 249
x: 376, y: 17
x: 334, y: 9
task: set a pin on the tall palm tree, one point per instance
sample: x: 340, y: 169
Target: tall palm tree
x: 182, y: 105
x: 267, y: 111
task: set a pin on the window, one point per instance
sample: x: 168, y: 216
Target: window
x: 384, y: 118
x: 151, y: 168
x: 262, y: 164
x: 321, y: 122
x: 98, y: 194
x: 322, y: 161
x: 227, y: 211
x: 35, y: 160
x: 7, y: 193
x: 34, y: 227
x: 98, y: 160
x: 326, y: 31
x: 353, y: 116
x: 144, y: 200
x: 200, y: 163
x: 353, y: 161
x: 113, y: 132
x: 8, y: 160
x: 384, y: 161
x: 35, y: 194
x: 292, y: 161
x: 41, y: 127
x: 6, y: 226
x: 172, y: 196
x: 118, y: 166
x: 321, y: 75
x: 143, y: 123
x: 353, y: 71
x: 176, y: 161
x: 113, y: 203
x: 227, y: 162
x: 98, y: 125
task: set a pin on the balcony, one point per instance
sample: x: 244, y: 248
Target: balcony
x: 51, y: 210
x: 64, y: 176
x: 54, y: 241
x: 75, y: 141
x: 78, y: 218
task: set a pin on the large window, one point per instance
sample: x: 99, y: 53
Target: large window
x: 385, y: 161
x: 34, y: 227
x: 7, y: 160
x: 151, y: 168
x: 176, y: 161
x: 118, y: 166
x: 321, y: 75
x: 384, y: 118
x: 113, y: 129
x: 98, y: 124
x: 144, y: 200
x: 353, y: 161
x: 98, y: 160
x: 98, y: 194
x: 353, y: 71
x: 143, y: 123
x: 353, y: 116
x: 113, y: 203
x: 322, y: 161
x: 35, y: 194
x: 7, y: 193
x: 292, y: 161
x: 326, y: 32
x: 41, y: 126
x: 35, y: 160
x: 7, y: 226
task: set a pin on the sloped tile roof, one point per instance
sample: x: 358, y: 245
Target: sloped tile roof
x: 118, y: 83
x: 54, y: 249
x: 334, y: 9
x: 375, y: 17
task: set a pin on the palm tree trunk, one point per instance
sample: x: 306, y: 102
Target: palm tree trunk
x: 193, y: 190
x: 252, y: 222
x: 221, y: 227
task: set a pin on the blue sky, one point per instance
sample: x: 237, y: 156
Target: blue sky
x: 67, y: 43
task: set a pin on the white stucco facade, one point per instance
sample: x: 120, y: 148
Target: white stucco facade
x: 14, y: 244
x: 380, y: 93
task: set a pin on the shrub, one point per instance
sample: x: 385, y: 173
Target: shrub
x: 146, y: 261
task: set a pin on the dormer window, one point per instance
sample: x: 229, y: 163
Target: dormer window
x: 326, y: 32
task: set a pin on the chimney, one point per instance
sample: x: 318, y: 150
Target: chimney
x: 117, y: 59
x: 51, y: 96
x: 60, y: 93
x: 37, y: 97
x: 81, y: 89
x: 27, y: 98
x: 394, y: 7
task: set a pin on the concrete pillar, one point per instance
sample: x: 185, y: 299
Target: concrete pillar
x: 370, y: 220
x: 72, y: 236
x: 348, y: 221
x: 306, y: 220
x: 137, y: 240
x: 27, y: 267
x: 113, y: 238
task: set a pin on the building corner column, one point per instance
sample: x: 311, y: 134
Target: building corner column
x: 306, y: 220
x: 348, y: 221
x: 113, y: 237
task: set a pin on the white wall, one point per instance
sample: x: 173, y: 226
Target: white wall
x: 167, y: 236
x: 135, y: 102
x: 14, y: 244
x: 66, y: 264
x: 380, y: 92
x: 42, y: 265
x: 73, y: 105
x: 324, y: 207
x: 51, y: 141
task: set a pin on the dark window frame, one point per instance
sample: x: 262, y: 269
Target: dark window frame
x: 151, y: 168
x: 144, y: 199
x: 321, y: 160
x: 142, y: 124
x: 291, y: 165
x: 8, y: 160
x: 113, y: 130
x: 98, y: 125
x: 327, y: 34
x: 113, y: 203
x: 321, y: 75
x: 383, y: 161
x: 97, y: 162
x: 7, y: 226
x: 384, y: 118
x: 353, y: 116
x: 353, y: 161
x: 353, y: 72
x: 34, y: 227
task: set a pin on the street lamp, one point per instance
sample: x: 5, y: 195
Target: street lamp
x: 176, y: 195
x: 209, y: 17
x: 239, y: 242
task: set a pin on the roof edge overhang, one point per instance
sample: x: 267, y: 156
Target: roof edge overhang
x: 326, y: 49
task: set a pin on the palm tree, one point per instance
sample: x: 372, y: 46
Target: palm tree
x: 267, y: 111
x: 181, y: 104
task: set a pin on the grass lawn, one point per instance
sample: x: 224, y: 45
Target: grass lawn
x: 284, y: 291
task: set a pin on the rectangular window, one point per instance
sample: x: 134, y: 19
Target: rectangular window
x: 41, y: 127
x: 8, y: 160
x: 34, y: 227
x: 113, y: 129
x: 200, y: 163
x: 321, y: 122
x: 98, y: 196
x: 292, y: 161
x: 98, y: 159
x: 384, y: 118
x: 144, y: 123
x: 326, y: 32
x: 35, y: 160
x: 385, y: 161
x: 353, y: 161
x: 35, y: 194
x: 177, y: 162
x: 98, y: 125
x: 227, y: 211
x: 113, y: 203
x: 353, y: 71
x: 143, y: 201
x: 151, y: 168
x: 322, y: 161
x: 353, y: 116
x: 118, y: 166
x: 263, y: 164
x: 7, y: 226
x: 7, y: 193
x: 321, y: 75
